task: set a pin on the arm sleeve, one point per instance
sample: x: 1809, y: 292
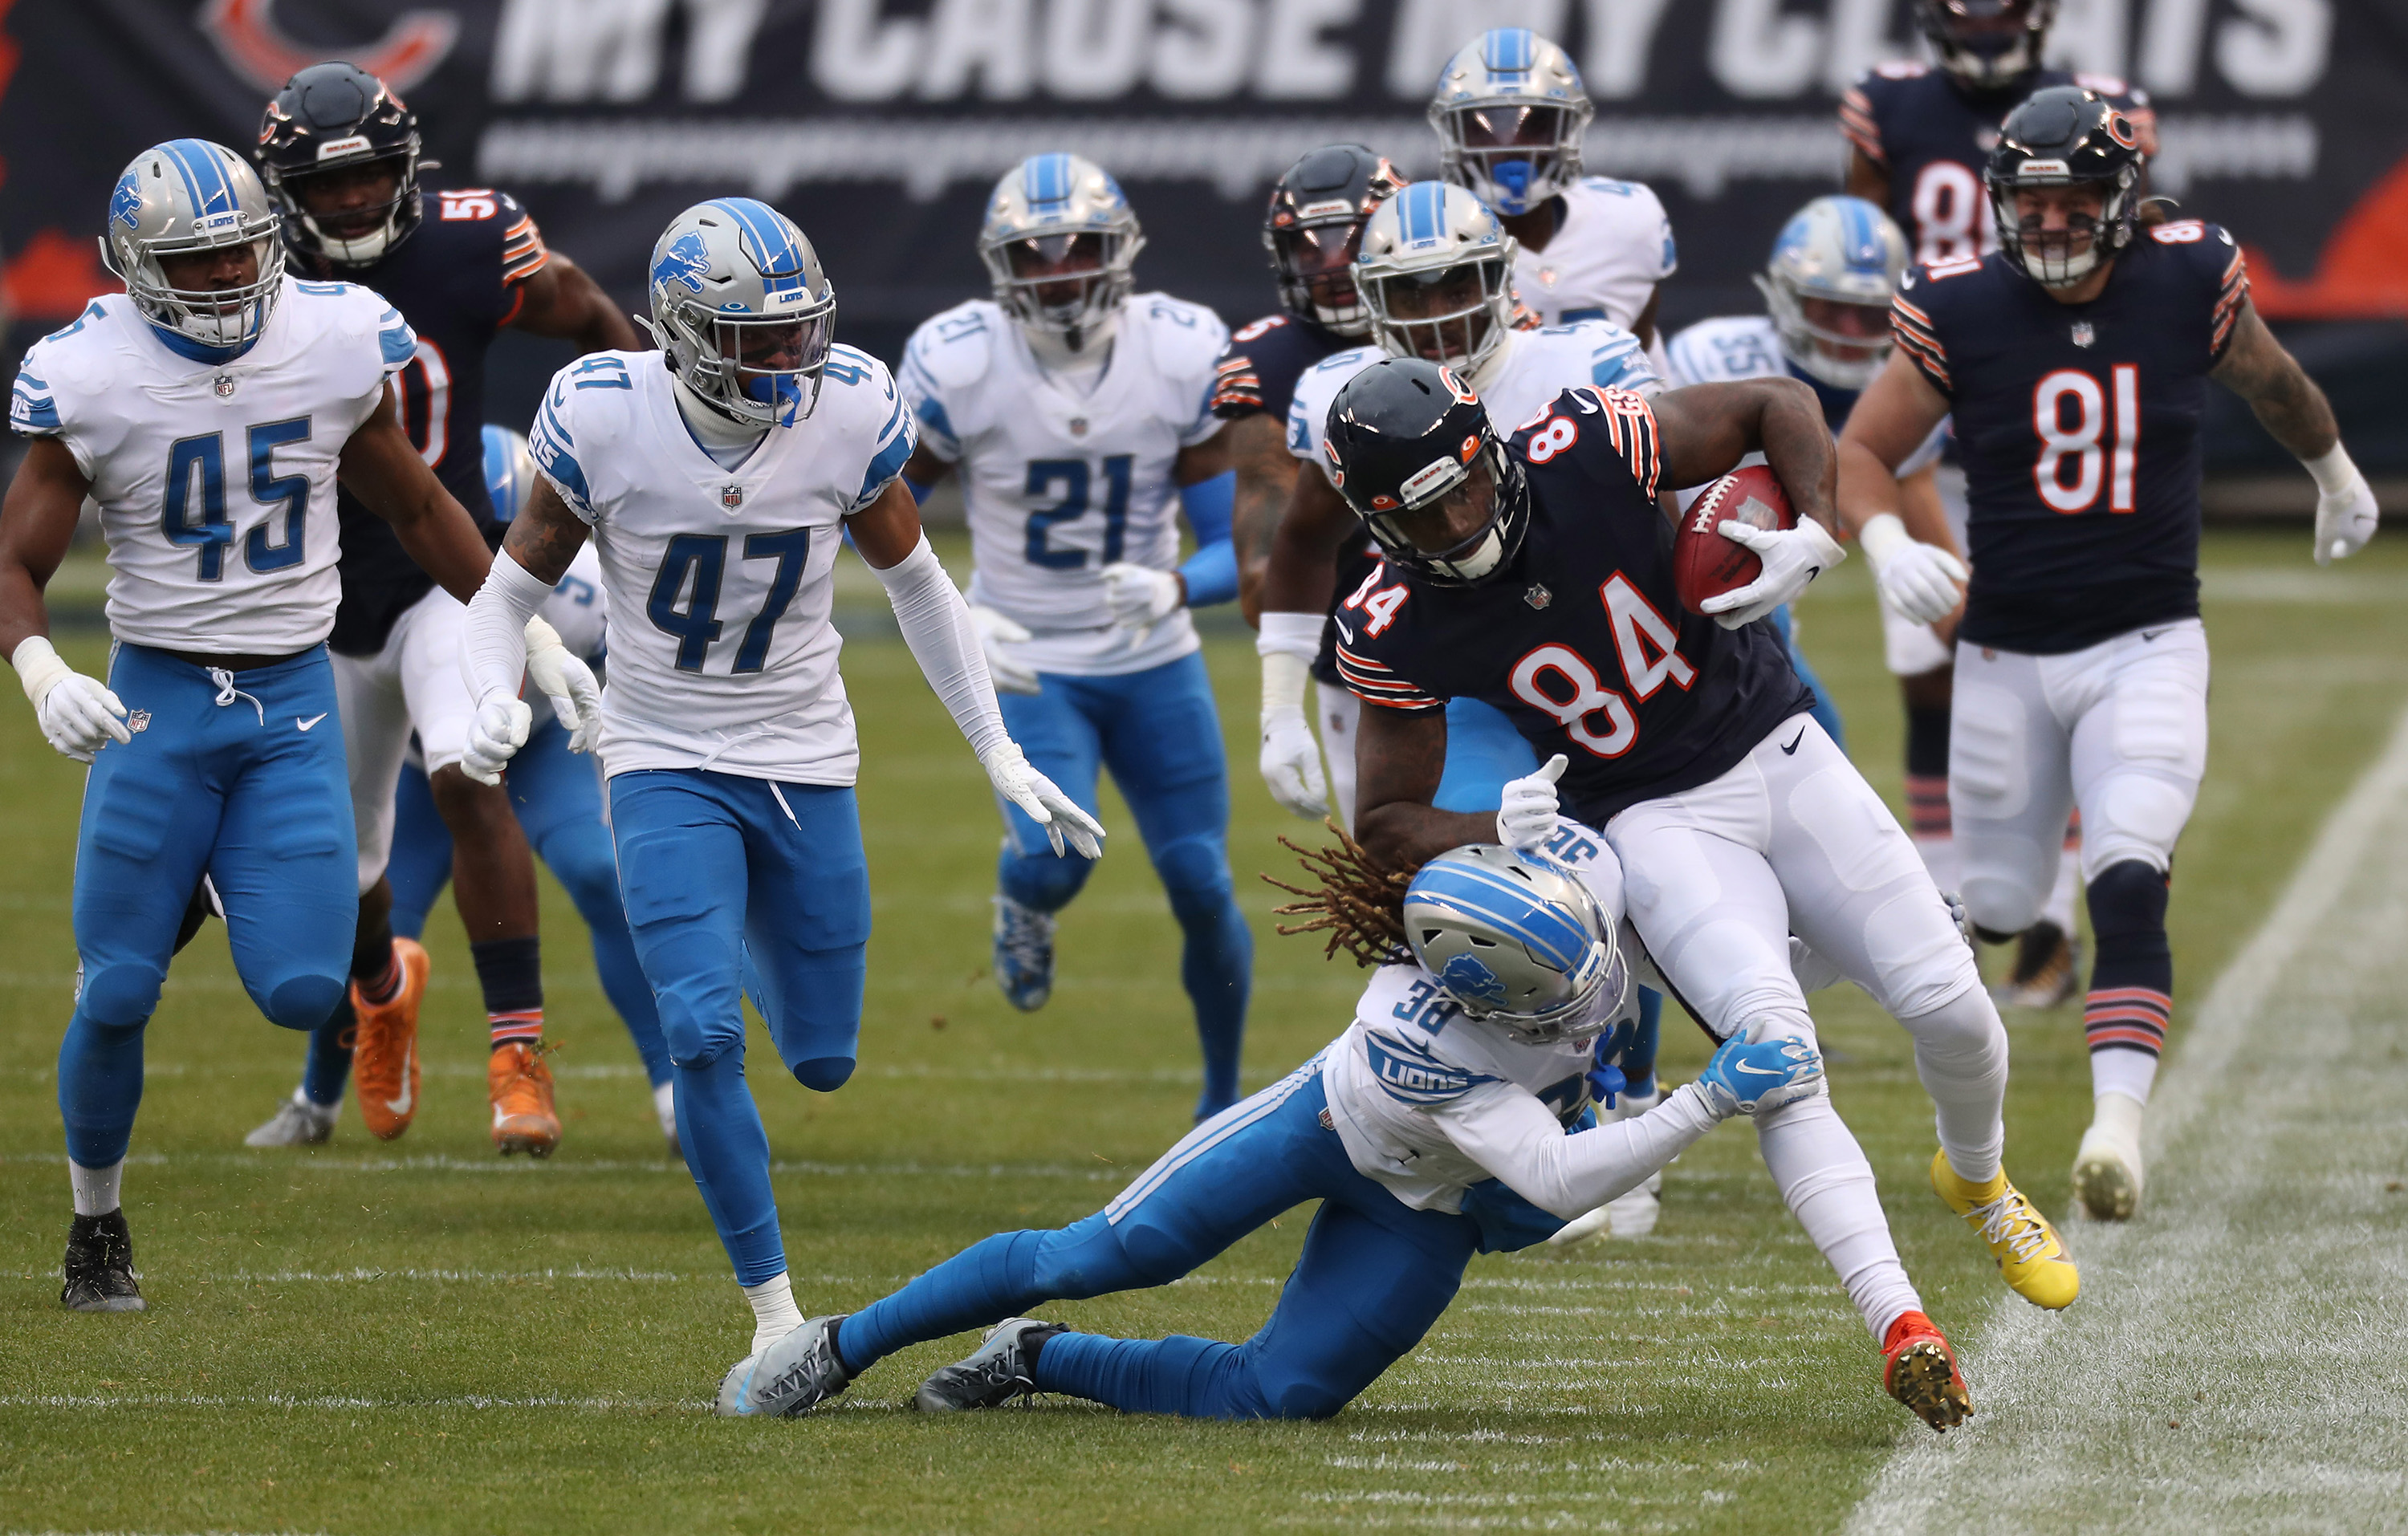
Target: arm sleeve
x: 1211, y: 571
x: 1506, y: 1130
x: 492, y: 648
x: 936, y: 625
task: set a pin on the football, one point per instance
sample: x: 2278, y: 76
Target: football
x: 1704, y: 563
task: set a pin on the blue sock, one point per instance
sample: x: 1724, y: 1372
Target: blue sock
x: 328, y: 1066
x: 100, y: 1086
x: 984, y: 1282
x: 719, y: 1130
x: 1639, y: 1057
x: 1174, y: 1375
x: 1217, y: 968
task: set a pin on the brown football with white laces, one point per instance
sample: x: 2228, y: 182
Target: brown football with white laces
x: 1707, y: 565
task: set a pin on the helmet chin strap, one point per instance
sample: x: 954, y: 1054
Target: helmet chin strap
x: 713, y: 427
x: 358, y: 249
x: 1479, y: 562
x: 1054, y: 351
x: 1485, y: 372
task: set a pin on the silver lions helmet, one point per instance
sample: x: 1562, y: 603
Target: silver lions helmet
x: 184, y: 200
x: 1511, y: 116
x: 743, y: 311
x: 1835, y: 267
x: 1059, y: 241
x: 1517, y: 942
x: 1435, y: 271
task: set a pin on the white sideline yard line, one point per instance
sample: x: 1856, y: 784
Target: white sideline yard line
x: 477, y: 1402
x: 277, y: 1160
x: 2236, y: 1360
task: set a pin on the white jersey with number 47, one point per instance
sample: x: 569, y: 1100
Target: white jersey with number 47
x: 720, y: 582
x: 215, y: 480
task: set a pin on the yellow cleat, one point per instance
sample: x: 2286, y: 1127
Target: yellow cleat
x: 2031, y: 1260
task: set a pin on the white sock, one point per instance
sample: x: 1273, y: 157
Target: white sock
x: 774, y: 1312
x: 316, y: 1110
x: 2121, y: 1071
x: 96, y: 1188
x: 1960, y: 1053
x: 665, y: 1105
x: 2061, y: 896
x: 1823, y: 1174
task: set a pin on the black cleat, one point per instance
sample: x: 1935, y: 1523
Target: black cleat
x: 100, y: 1266
x: 998, y: 1370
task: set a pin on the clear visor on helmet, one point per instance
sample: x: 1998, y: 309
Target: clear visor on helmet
x: 1511, y: 154
x: 1449, y: 520
x: 1600, y: 988
x: 1319, y: 260
x: 773, y: 362
x: 1060, y: 283
x: 1450, y: 317
x: 217, y: 290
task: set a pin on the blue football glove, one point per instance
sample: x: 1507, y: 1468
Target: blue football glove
x: 1748, y: 1077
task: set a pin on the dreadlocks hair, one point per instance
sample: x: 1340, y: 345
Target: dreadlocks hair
x: 1356, y: 900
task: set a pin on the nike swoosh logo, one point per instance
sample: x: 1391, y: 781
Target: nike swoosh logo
x: 1791, y: 750
x: 1756, y: 1072
x: 408, y: 1094
x: 305, y: 724
x: 2154, y: 634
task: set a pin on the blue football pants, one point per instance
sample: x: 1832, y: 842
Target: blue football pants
x: 243, y: 781
x: 734, y: 883
x: 1373, y: 1276
x: 1159, y: 733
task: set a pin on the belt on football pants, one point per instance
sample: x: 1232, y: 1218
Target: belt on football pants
x: 240, y: 661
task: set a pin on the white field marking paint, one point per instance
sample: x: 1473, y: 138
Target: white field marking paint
x: 897, y: 1071
x: 555, y: 1168
x: 282, y: 1400
x: 2260, y: 1299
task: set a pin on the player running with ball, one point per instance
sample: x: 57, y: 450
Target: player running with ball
x: 717, y: 478
x: 2075, y: 361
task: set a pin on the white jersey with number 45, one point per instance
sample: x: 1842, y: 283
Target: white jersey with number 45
x: 720, y: 582
x: 1062, y: 482
x: 215, y: 480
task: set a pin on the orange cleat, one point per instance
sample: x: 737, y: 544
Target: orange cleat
x: 520, y: 1085
x: 384, y: 1053
x: 1920, y: 1369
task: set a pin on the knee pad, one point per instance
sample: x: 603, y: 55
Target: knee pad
x: 2127, y: 903
x: 119, y: 996
x: 1966, y: 1022
x: 823, y: 1074
x: 304, y: 1003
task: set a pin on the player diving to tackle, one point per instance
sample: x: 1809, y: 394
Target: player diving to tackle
x: 1078, y: 415
x: 210, y: 410
x: 2075, y: 362
x: 1539, y: 577
x: 1453, y: 1117
x: 716, y: 478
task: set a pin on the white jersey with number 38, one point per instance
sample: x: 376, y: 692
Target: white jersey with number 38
x: 720, y: 582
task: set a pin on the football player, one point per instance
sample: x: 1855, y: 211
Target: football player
x: 2075, y: 361
x: 210, y: 411
x: 1511, y: 119
x: 557, y: 796
x: 1079, y: 418
x: 717, y: 477
x: 1919, y: 137
x: 1434, y: 1128
x: 339, y: 152
x: 1313, y: 230
x: 1435, y: 270
x: 1539, y: 579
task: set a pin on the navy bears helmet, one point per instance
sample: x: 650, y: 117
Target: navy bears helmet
x: 1404, y: 434
x: 1314, y: 225
x: 338, y: 116
x: 2066, y: 135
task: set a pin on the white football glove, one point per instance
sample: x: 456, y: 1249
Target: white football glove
x: 1921, y: 582
x: 1528, y: 817
x: 1290, y: 762
x: 1791, y: 558
x: 1046, y: 805
x: 1141, y: 597
x: 78, y: 715
x: 567, y: 682
x: 994, y: 632
x: 496, y: 733
x: 2345, y: 509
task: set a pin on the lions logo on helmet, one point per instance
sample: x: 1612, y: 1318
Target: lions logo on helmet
x: 743, y: 310
x: 1511, y: 117
x: 1517, y: 942
x: 685, y: 261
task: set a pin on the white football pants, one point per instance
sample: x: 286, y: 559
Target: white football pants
x: 1340, y: 714
x: 413, y: 683
x: 2120, y: 729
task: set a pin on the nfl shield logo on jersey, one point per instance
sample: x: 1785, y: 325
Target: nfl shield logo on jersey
x: 2083, y: 334
x: 223, y: 384
x: 1537, y: 596
x: 731, y: 497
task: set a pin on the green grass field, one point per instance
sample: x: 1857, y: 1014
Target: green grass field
x: 418, y: 1337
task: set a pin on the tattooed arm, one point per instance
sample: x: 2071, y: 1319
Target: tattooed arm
x: 2286, y: 400
x: 546, y: 536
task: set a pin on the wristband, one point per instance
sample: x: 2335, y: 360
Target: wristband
x: 1883, y: 535
x: 38, y: 665
x: 2334, y: 473
x: 1297, y: 634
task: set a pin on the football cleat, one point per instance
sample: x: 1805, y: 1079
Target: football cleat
x: 792, y: 1376
x: 996, y: 1372
x: 2107, y: 1170
x: 2048, y: 966
x: 296, y: 1123
x: 99, y: 1268
x: 2031, y: 1260
x: 1024, y: 954
x: 520, y: 1085
x: 384, y: 1048
x: 1920, y: 1369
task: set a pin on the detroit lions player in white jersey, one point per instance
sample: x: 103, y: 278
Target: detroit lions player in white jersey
x: 717, y: 478
x: 1453, y: 1117
x: 1078, y: 417
x: 1511, y: 115
x: 210, y: 411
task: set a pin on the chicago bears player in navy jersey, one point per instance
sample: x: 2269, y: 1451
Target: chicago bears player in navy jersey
x: 339, y: 152
x: 1919, y: 139
x: 2075, y: 361
x: 1312, y: 229
x: 1538, y: 579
